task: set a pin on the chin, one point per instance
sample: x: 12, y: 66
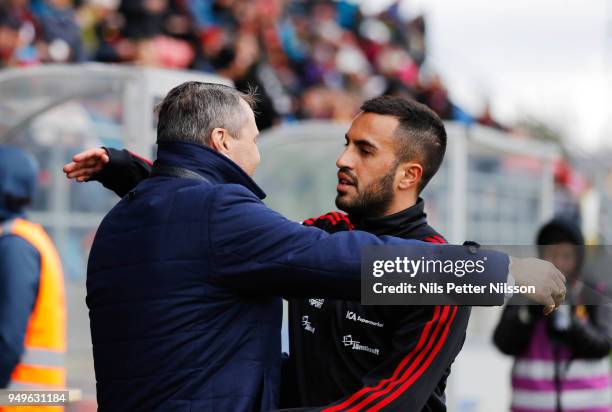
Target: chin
x: 342, y: 202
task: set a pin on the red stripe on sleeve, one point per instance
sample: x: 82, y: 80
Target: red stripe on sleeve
x: 330, y: 217
x: 440, y: 238
x: 147, y: 161
x: 418, y: 373
x: 364, y: 391
x: 410, y: 374
x: 408, y: 377
x: 348, y: 222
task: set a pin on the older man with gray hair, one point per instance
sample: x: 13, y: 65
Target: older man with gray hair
x: 186, y: 271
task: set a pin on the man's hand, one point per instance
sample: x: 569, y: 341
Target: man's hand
x: 549, y: 282
x: 85, y: 164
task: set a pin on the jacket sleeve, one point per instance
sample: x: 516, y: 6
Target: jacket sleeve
x: 425, y: 343
x: 515, y: 328
x: 256, y: 250
x: 592, y: 339
x: 124, y: 171
x: 19, y: 277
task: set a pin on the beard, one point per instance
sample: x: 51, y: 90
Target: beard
x: 371, y: 201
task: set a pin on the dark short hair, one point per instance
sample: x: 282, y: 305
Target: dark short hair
x: 421, y: 135
x: 191, y: 111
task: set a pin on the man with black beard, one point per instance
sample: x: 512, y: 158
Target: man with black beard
x: 377, y: 357
x: 344, y: 355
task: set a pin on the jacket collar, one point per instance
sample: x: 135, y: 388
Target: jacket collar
x: 207, y: 162
x: 406, y: 221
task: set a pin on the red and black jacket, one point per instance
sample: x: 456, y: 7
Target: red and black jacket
x: 346, y: 356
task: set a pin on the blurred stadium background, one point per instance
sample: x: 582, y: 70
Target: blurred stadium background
x: 80, y: 74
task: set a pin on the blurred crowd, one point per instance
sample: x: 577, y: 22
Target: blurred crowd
x: 308, y: 59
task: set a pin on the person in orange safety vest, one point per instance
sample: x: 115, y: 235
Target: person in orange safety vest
x: 32, y: 303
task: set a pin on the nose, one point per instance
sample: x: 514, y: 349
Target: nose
x: 344, y: 160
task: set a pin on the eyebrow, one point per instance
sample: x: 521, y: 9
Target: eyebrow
x: 362, y: 142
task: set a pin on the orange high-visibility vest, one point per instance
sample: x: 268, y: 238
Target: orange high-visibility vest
x: 41, y: 366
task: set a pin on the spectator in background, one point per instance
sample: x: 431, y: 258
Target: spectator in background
x: 32, y: 309
x: 60, y: 32
x: 103, y: 26
x: 435, y: 95
x: 143, y: 18
x: 487, y: 119
x: 242, y: 63
x: 19, y: 45
x: 561, y: 362
x: 9, y: 40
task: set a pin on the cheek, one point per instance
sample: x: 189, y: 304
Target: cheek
x: 253, y: 153
x: 240, y: 155
x: 569, y: 263
x: 370, y: 172
x: 561, y: 262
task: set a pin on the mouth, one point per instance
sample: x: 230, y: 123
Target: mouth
x: 344, y: 182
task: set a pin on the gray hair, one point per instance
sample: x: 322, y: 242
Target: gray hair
x: 191, y: 111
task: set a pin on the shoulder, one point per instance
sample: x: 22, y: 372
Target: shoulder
x: 18, y: 255
x: 232, y: 192
x: 430, y: 235
x: 13, y: 244
x: 233, y: 201
x: 236, y: 207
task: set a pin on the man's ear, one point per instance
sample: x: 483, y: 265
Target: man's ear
x: 410, y: 175
x: 220, y: 140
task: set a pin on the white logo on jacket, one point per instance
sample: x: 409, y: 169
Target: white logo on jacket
x: 354, y: 317
x: 307, y: 325
x: 348, y: 341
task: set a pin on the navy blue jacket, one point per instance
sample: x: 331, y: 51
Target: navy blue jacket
x: 183, y: 283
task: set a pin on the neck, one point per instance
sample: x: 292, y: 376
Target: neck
x: 206, y: 161
x: 400, y: 203
x: 396, y: 206
x: 407, y: 219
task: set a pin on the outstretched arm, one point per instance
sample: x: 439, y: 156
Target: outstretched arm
x: 117, y: 170
x: 258, y: 249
